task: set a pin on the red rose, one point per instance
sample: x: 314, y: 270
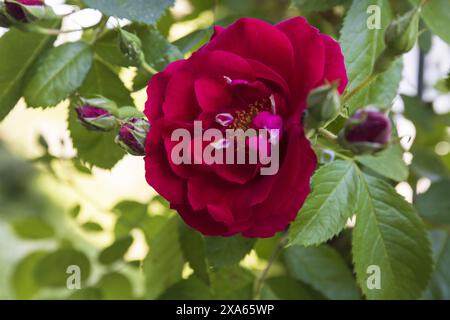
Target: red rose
x: 250, y: 75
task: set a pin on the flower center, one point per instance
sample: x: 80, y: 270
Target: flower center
x: 243, y: 118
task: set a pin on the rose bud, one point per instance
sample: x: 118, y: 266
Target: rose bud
x: 132, y: 136
x: 324, y: 104
x: 401, y: 35
x: 96, y: 118
x: 18, y: 9
x: 367, y: 131
x: 131, y: 47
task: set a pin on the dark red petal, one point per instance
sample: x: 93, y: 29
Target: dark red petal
x: 258, y: 40
x: 334, y: 63
x: 201, y: 221
x: 309, y: 54
x: 289, y: 190
x: 158, y: 173
x: 180, y: 102
x: 156, y: 91
x: 213, y: 94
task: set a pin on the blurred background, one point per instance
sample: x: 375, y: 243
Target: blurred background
x: 47, y: 202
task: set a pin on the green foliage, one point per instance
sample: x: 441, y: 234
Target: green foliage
x: 439, y: 286
x: 132, y: 215
x: 318, y: 5
x: 287, y: 288
x: 189, y: 289
x: 58, y: 74
x: 388, y: 233
x: 388, y: 163
x: 223, y: 252
x: 23, y: 281
x: 194, y: 250
x: 164, y: 263
x: 98, y: 148
x: 361, y: 46
x: 51, y: 270
x: 115, y: 251
x: 115, y: 286
x: 92, y: 227
x: 232, y: 283
x: 16, y: 61
x: 323, y: 269
x: 436, y: 15
x: 328, y: 207
x: 434, y: 205
x: 33, y: 228
x: 145, y: 11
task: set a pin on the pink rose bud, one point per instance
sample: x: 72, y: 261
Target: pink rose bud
x: 95, y: 118
x: 132, y: 136
x: 15, y: 8
x: 367, y: 131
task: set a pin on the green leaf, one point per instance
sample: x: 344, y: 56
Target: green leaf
x: 264, y: 247
x: 51, y: 270
x: 132, y: 215
x: 317, y: 5
x: 98, y: 148
x: 157, y: 50
x: 439, y: 286
x: 287, y: 288
x: 194, y: 251
x: 92, y: 227
x: 59, y: 73
x: 329, y: 206
x: 436, y: 15
x: 388, y: 163
x: 115, y: 251
x: 426, y: 163
x: 389, y: 234
x: 16, y: 61
x: 434, y: 205
x: 189, y: 289
x: 145, y: 11
x: 23, y: 282
x: 115, y: 286
x: 234, y: 283
x: 323, y: 269
x: 193, y: 40
x: 86, y: 294
x: 75, y: 211
x: 223, y: 252
x: 164, y: 263
x: 33, y: 228
x: 361, y: 46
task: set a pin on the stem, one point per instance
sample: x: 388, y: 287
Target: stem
x: 149, y: 68
x: 327, y: 134
x: 423, y: 3
x: 361, y: 86
x: 275, y: 253
x: 101, y: 25
x: 52, y: 32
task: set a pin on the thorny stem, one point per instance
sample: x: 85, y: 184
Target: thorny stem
x: 275, y: 253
